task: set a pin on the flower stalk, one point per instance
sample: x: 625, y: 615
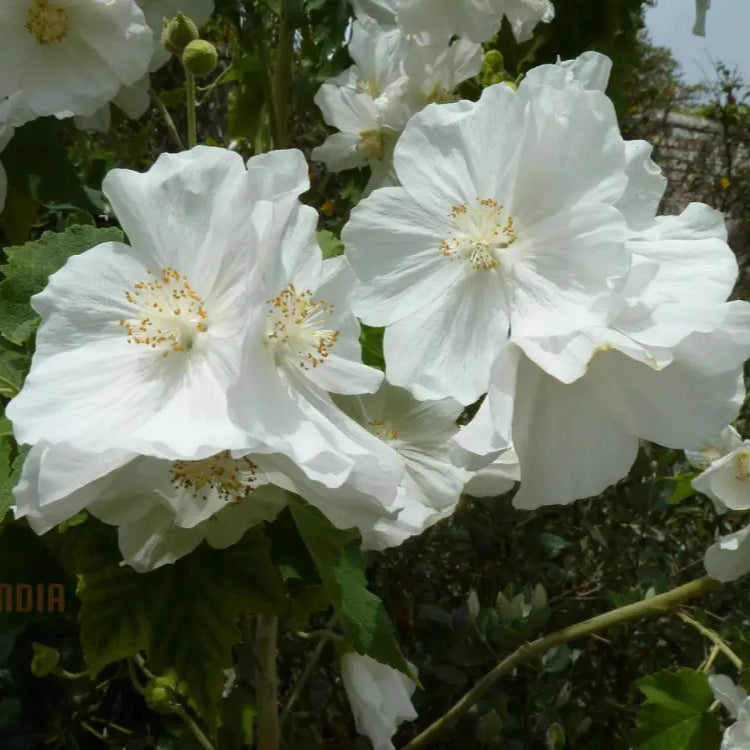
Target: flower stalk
x: 528, y: 651
x: 266, y: 633
x: 192, y: 128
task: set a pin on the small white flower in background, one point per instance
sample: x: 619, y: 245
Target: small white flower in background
x: 505, y: 224
x: 734, y: 698
x: 379, y: 696
x: 66, y: 58
x: 478, y: 20
x: 673, y: 341
x: 727, y: 478
x: 711, y: 450
x: 394, y: 75
x: 6, y: 133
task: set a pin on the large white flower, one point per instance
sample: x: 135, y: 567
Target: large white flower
x: 674, y: 341
x: 65, y: 58
x: 735, y: 699
x: 379, y: 696
x: 6, y: 133
x: 506, y: 224
x: 479, y: 20
x: 139, y: 344
x: 163, y: 509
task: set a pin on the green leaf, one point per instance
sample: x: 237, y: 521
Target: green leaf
x: 338, y: 558
x: 330, y: 244
x: 11, y: 463
x: 184, y: 615
x: 29, y: 268
x: 14, y: 365
x: 371, y: 340
x: 675, y: 713
x: 37, y: 165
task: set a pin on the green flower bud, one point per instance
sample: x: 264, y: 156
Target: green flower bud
x: 200, y: 58
x: 494, y: 61
x: 178, y: 33
x: 44, y: 660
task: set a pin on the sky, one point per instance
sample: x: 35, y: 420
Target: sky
x: 727, y: 39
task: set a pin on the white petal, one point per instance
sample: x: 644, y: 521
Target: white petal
x: 729, y: 558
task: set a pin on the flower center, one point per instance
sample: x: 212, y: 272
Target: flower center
x: 381, y: 430
x: 743, y: 472
x: 372, y: 144
x: 440, y: 95
x: 47, y: 22
x: 170, y: 315
x: 481, y: 232
x: 368, y: 86
x: 231, y: 478
x: 296, y: 326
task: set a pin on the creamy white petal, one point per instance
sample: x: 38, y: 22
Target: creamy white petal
x: 729, y: 558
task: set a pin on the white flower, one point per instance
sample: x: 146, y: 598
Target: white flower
x: 66, y: 58
x: 6, y: 133
x: 729, y: 558
x: 506, y: 224
x: 675, y: 341
x: 479, y: 20
x: 727, y: 479
x: 394, y: 76
x: 163, y: 509
x: 383, y: 11
x: 133, y: 100
x: 379, y: 696
x: 734, y: 698
x: 420, y: 433
x: 711, y: 450
x: 139, y: 344
x: 497, y: 478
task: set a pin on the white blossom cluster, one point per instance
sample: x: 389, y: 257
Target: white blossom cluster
x: 183, y: 384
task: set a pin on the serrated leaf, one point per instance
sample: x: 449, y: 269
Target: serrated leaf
x: 14, y: 365
x: 184, y: 615
x: 11, y: 463
x: 29, y: 267
x: 675, y: 713
x: 339, y: 561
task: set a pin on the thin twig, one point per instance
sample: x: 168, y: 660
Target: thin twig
x: 171, y: 127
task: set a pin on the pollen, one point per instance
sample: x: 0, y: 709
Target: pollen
x: 169, y: 314
x: 368, y: 86
x: 482, y: 231
x: 372, y: 144
x: 296, y: 327
x: 743, y: 473
x: 231, y: 478
x: 47, y: 22
x: 381, y: 430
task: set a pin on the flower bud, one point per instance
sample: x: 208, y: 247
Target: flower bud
x: 178, y: 33
x: 200, y: 57
x: 494, y: 61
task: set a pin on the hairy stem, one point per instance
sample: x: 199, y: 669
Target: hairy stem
x: 305, y: 676
x: 171, y: 127
x: 283, y: 80
x: 266, y: 631
x: 192, y: 135
x: 527, y: 652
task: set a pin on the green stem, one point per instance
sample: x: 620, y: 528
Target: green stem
x: 305, y: 676
x: 171, y: 127
x: 527, y: 652
x: 195, y: 730
x: 192, y: 136
x: 260, y: 43
x: 266, y: 633
x: 712, y: 636
x: 282, y: 82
